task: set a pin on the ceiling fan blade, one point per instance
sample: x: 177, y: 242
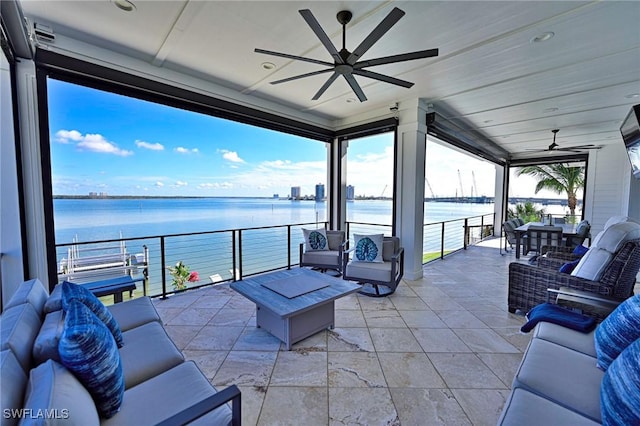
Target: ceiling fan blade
x: 325, y: 86
x: 309, y: 74
x: 397, y: 58
x: 355, y: 87
x: 297, y: 58
x: 385, y: 78
x: 384, y: 26
x: 319, y: 32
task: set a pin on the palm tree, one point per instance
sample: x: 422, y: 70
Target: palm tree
x: 559, y: 178
x: 526, y: 211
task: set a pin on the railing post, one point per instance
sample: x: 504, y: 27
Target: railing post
x: 145, y: 271
x: 163, y: 269
x: 239, y: 257
x: 233, y: 254
x: 442, y: 242
x: 465, y: 235
x: 288, y: 246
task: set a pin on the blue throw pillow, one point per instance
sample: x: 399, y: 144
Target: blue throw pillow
x: 620, y: 389
x: 580, y: 250
x: 89, y: 351
x: 72, y: 291
x: 617, y: 331
x: 568, y: 267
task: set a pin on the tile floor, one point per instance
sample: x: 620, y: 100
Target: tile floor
x: 441, y: 350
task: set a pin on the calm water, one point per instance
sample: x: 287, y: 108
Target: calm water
x: 101, y: 219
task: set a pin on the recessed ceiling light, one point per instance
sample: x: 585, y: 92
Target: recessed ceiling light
x: 552, y: 109
x: 542, y: 37
x: 350, y: 100
x: 632, y: 95
x: 125, y: 5
x: 268, y: 65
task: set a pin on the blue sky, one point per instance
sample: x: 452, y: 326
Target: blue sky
x: 103, y: 142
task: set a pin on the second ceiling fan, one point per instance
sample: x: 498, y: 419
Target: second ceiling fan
x: 555, y: 147
x: 347, y: 63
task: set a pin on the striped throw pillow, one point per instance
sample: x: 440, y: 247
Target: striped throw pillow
x: 617, y: 331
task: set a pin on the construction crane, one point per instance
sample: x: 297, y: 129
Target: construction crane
x: 460, y: 180
x: 433, y: 195
x: 475, y: 186
x: 384, y: 189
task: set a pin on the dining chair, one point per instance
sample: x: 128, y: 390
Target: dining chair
x: 539, y: 236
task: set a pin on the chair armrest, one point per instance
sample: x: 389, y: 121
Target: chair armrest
x: 586, y: 296
x: 550, y: 263
x: 398, y: 255
x: 199, y: 409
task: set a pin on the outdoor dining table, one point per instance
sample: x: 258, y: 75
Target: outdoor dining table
x: 568, y: 230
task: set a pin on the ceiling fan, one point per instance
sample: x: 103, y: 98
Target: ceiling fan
x: 555, y: 147
x: 347, y: 63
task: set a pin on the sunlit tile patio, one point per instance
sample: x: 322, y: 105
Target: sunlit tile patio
x: 441, y: 350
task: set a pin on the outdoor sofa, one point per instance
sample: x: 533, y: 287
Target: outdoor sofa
x: 568, y: 377
x: 160, y: 387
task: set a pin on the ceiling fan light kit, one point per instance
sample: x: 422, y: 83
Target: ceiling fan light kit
x: 347, y: 64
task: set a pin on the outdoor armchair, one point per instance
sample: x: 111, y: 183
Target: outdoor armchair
x: 616, y: 277
x: 510, y: 234
x: 325, y: 259
x: 539, y: 237
x: 377, y: 278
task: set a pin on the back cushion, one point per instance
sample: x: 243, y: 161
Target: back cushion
x: 32, y: 292
x: 54, y: 388
x: 19, y: 327
x: 335, y: 239
x: 12, y: 386
x: 389, y: 247
x: 46, y: 345
x: 603, y: 248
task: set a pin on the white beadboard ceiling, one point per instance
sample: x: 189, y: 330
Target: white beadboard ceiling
x: 488, y: 76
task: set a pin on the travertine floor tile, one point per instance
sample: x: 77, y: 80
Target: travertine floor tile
x: 428, y: 407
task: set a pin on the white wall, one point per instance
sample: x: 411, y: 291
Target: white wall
x: 11, y: 265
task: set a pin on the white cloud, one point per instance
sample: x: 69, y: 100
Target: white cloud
x: 216, y: 185
x: 68, y: 136
x: 91, y: 142
x: 181, y: 183
x: 159, y: 184
x: 231, y: 156
x: 150, y: 145
x: 183, y: 150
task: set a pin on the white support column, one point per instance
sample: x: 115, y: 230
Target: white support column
x: 410, y: 173
x: 32, y: 171
x: 500, y: 199
x: 337, y: 178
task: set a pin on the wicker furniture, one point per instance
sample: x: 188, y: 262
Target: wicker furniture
x: 528, y: 284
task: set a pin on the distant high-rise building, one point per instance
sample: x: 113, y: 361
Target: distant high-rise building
x: 320, y: 192
x: 351, y: 192
x: 295, y: 192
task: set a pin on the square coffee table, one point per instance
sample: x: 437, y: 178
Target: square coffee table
x: 295, y: 304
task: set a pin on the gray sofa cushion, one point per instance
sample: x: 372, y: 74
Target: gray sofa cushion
x: 32, y: 292
x: 324, y: 257
x: 524, y: 408
x: 53, y: 387
x: 166, y: 394
x: 12, y: 386
x: 46, y: 345
x: 572, y: 339
x: 562, y: 375
x: 147, y: 352
x: 54, y: 302
x: 335, y: 239
x: 19, y: 327
x: 134, y: 313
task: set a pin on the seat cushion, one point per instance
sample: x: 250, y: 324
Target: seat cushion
x: 369, y: 271
x: 134, y: 313
x: 19, y: 327
x: 72, y: 291
x: 368, y: 248
x: 524, y: 408
x: 32, y: 292
x: 88, y: 349
x: 147, y: 352
x: 621, y: 388
x: 54, y: 388
x: 561, y: 375
x: 166, y: 394
x: 12, y: 385
x: 618, y: 330
x: 572, y: 339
